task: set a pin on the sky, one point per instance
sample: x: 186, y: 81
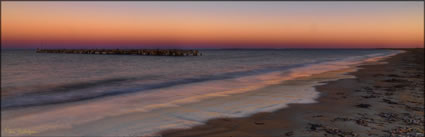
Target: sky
x: 213, y: 24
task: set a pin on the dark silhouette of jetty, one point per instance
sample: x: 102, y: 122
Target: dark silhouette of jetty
x: 146, y: 52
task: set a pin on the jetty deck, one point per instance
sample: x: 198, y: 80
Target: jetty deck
x: 146, y: 52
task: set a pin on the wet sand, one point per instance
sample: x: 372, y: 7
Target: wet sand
x: 383, y: 100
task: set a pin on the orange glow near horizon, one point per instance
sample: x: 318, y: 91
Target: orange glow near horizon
x: 111, y: 24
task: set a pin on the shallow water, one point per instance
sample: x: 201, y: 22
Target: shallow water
x: 72, y: 94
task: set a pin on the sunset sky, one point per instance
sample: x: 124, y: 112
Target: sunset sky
x: 189, y: 24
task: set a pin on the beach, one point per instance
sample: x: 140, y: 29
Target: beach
x: 212, y: 69
x: 385, y: 98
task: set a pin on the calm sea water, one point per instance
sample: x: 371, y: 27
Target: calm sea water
x: 115, y: 85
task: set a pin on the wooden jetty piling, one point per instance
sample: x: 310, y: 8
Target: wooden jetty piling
x: 146, y: 52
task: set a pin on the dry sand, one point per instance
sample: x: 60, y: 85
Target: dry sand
x: 384, y: 100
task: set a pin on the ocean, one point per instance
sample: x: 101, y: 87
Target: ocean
x: 124, y: 95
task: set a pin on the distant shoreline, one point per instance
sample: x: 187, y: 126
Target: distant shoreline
x: 228, y: 48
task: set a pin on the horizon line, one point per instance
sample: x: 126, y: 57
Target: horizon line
x: 213, y: 48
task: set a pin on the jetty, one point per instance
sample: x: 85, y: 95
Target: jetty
x: 146, y: 52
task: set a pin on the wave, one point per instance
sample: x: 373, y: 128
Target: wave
x: 80, y: 91
x: 148, y: 112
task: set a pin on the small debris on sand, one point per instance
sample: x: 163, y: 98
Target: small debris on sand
x: 363, y: 105
x: 258, y: 123
x: 289, y: 133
